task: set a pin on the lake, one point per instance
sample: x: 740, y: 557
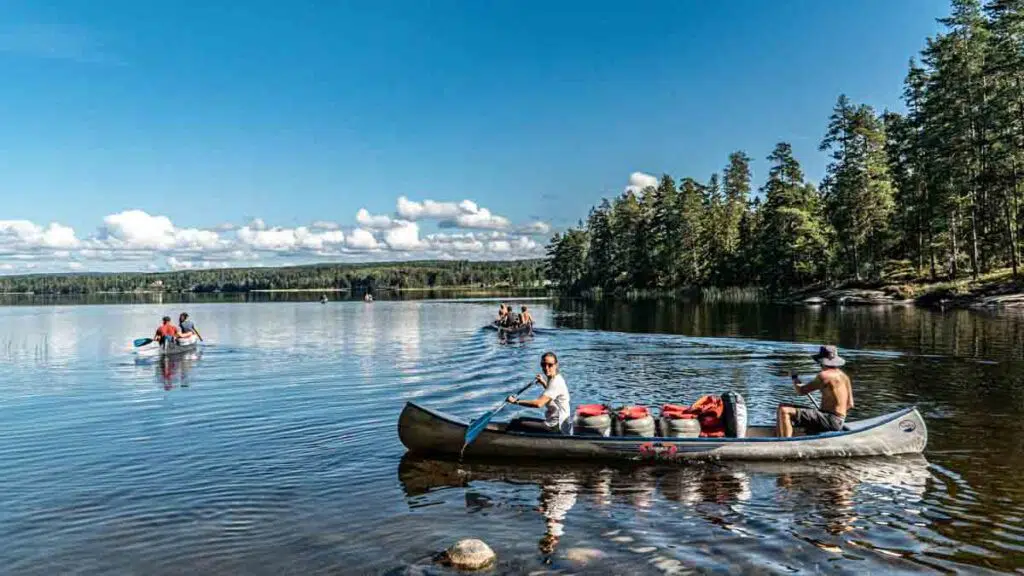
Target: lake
x: 274, y: 448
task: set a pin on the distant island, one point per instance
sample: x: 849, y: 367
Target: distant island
x: 357, y: 278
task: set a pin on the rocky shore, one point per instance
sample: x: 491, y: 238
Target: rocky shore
x: 980, y: 294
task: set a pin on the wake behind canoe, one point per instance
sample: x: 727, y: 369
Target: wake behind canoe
x: 423, y: 430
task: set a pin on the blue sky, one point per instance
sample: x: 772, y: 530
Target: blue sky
x: 183, y: 134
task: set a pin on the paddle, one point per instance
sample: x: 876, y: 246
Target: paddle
x: 792, y: 373
x: 141, y: 341
x: 480, y: 423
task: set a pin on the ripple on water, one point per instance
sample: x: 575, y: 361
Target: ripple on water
x: 275, y: 449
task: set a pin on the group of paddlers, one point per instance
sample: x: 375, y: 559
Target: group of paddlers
x: 184, y: 329
x: 834, y: 384
x: 510, y: 319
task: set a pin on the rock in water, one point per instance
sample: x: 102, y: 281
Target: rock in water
x: 583, y: 555
x: 469, y: 554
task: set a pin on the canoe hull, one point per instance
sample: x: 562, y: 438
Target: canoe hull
x: 426, y: 431
x: 503, y: 331
x: 179, y: 346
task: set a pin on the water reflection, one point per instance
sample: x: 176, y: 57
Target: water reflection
x: 819, y: 502
x: 287, y: 437
x: 172, y: 370
x: 981, y: 333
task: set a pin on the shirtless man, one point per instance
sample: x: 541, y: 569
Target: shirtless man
x: 836, y: 398
x: 525, y: 317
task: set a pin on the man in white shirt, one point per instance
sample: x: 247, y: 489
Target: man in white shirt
x: 554, y: 400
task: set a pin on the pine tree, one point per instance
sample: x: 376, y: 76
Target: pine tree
x: 664, y: 225
x: 857, y: 189
x: 601, y: 253
x: 792, y: 241
x: 691, y: 232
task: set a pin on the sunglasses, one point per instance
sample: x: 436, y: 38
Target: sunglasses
x: 548, y: 363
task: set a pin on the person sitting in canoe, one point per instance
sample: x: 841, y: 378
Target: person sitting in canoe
x: 525, y: 317
x: 187, y: 327
x: 512, y: 319
x: 836, y: 398
x: 166, y: 330
x: 502, y: 319
x: 554, y: 400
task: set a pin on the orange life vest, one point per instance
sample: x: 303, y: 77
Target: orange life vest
x: 633, y: 412
x: 591, y: 410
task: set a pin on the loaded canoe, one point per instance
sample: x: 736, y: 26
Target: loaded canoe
x: 427, y: 431
x: 506, y: 331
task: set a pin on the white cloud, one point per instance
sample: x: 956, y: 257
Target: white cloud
x: 524, y: 244
x: 538, y: 228
x: 134, y: 239
x: 373, y: 222
x: 465, y: 214
x: 481, y: 219
x: 638, y: 181
x: 289, y: 239
x: 25, y: 235
x: 360, y: 239
x: 413, y: 211
x: 404, y: 236
x: 176, y: 264
x: 137, y: 230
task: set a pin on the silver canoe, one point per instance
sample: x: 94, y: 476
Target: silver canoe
x: 179, y: 346
x: 423, y: 430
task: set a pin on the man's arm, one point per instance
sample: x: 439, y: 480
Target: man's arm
x: 811, y: 386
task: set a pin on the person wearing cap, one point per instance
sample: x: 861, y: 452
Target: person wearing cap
x: 166, y: 330
x: 836, y: 398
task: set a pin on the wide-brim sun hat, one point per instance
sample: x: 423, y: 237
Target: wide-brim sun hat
x: 828, y: 356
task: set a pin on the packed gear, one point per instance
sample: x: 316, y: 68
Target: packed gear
x: 635, y: 421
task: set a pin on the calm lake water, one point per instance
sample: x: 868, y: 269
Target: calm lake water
x: 274, y: 449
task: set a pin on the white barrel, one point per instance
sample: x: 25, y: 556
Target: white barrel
x: 638, y: 427
x: 600, y: 425
x: 680, y: 427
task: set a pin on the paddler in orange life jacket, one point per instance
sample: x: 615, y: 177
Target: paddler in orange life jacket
x: 166, y: 330
x: 836, y: 398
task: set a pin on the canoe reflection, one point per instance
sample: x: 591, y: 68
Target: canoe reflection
x: 173, y: 369
x: 824, y: 492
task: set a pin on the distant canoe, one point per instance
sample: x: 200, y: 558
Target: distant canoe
x: 506, y: 331
x: 423, y: 430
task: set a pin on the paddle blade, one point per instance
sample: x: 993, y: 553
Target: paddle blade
x: 142, y: 341
x: 477, y: 427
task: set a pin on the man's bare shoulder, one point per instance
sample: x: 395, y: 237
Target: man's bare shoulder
x: 833, y: 377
